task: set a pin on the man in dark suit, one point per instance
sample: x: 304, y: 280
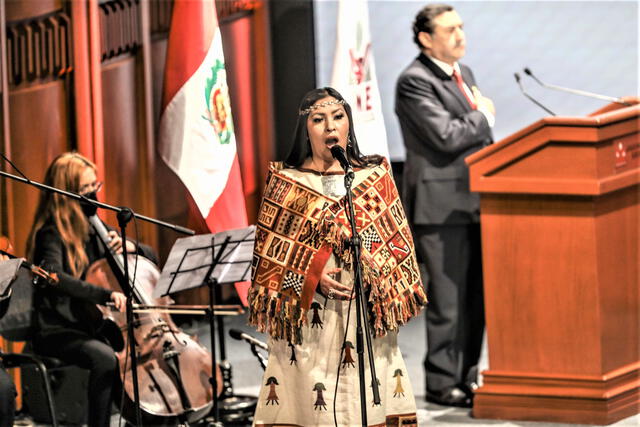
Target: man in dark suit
x: 444, y: 118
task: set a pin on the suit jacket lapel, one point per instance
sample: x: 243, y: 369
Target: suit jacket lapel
x: 466, y: 76
x: 452, y: 87
x: 447, y: 81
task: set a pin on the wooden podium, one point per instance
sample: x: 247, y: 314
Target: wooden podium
x: 560, y: 229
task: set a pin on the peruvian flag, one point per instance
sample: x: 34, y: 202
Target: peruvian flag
x: 354, y: 76
x: 196, y: 138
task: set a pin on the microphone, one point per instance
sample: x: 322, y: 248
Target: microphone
x: 524, y: 92
x: 241, y: 336
x: 528, y: 72
x: 340, y: 155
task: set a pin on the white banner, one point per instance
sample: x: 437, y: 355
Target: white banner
x: 354, y: 76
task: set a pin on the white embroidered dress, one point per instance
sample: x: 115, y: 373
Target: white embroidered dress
x: 298, y: 388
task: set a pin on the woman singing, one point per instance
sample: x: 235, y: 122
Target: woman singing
x: 62, y: 240
x: 302, y: 290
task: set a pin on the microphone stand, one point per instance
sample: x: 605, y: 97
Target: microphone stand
x: 78, y: 197
x: 355, y: 243
x: 260, y: 357
x: 212, y: 283
x: 124, y: 216
x: 531, y: 98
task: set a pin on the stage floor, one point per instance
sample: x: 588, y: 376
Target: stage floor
x: 247, y: 375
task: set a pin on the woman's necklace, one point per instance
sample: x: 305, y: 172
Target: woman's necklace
x: 332, y: 184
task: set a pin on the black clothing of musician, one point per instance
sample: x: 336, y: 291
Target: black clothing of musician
x: 7, y: 389
x: 66, y: 325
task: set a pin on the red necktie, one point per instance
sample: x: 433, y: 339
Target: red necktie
x: 458, y: 78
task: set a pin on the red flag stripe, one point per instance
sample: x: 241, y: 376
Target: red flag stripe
x: 228, y: 212
x: 193, y: 25
x: 229, y: 209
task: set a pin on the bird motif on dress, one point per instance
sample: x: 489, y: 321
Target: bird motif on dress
x: 399, y: 391
x: 272, y: 397
x: 320, y: 403
x: 348, y: 357
x: 293, y: 360
x: 315, y: 319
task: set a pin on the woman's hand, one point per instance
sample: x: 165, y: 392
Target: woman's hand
x: 119, y: 300
x: 116, y: 243
x: 332, y: 289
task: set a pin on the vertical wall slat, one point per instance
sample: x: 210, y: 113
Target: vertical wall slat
x: 82, y: 78
x: 143, y: 34
x: 95, y: 73
x: 6, y: 187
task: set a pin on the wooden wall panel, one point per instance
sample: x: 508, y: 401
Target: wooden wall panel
x: 124, y: 149
x: 39, y: 132
x: 17, y: 10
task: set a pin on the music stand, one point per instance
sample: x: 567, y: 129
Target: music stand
x: 208, y: 260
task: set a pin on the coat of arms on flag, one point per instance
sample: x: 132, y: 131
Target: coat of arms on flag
x: 217, y: 97
x: 360, y: 73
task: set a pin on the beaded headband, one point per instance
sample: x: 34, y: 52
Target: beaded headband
x: 322, y: 104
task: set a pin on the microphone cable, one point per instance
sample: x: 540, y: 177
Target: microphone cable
x: 342, y: 347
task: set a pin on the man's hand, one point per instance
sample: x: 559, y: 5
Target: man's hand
x: 483, y: 102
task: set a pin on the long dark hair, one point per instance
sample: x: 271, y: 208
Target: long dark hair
x: 64, y: 172
x: 302, y: 147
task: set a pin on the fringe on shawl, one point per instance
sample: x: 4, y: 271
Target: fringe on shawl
x: 282, y: 317
x: 277, y: 315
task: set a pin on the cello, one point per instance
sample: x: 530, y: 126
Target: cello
x: 173, y: 369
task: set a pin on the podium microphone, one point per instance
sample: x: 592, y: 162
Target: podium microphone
x: 340, y: 155
x: 524, y: 92
x: 241, y: 336
x: 528, y: 72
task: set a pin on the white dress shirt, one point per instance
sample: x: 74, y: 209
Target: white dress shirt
x: 448, y: 70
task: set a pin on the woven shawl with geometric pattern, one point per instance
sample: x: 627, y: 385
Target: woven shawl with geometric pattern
x: 299, y: 228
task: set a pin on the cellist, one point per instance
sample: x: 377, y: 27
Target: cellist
x: 63, y: 240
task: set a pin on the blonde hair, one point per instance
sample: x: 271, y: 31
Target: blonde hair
x: 64, y: 173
